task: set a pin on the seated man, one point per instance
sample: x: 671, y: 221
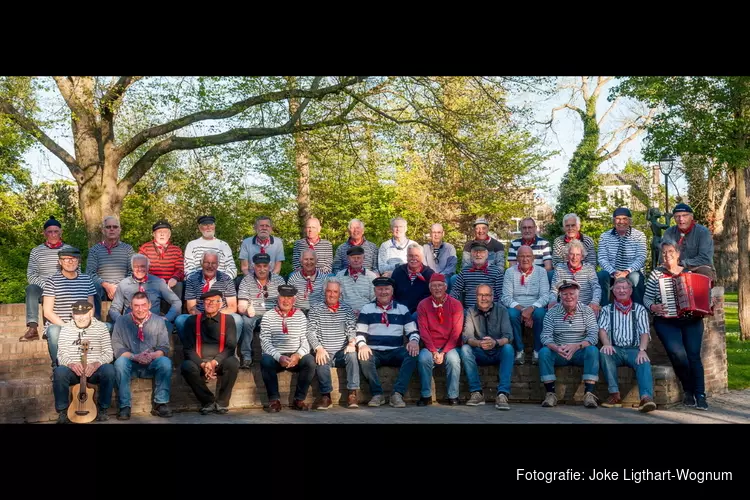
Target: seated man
x: 99, y: 368
x: 308, y: 280
x: 356, y: 280
x: 141, y: 345
x: 412, y: 280
x: 480, y: 272
x: 166, y: 260
x: 60, y: 292
x: 578, y: 270
x: 624, y: 330
x: 441, y: 320
x: 331, y: 331
x: 108, y: 262
x: 622, y: 254
x: 487, y: 341
x: 525, y: 294
x: 381, y: 328
x: 210, y: 341
x: 569, y: 337
x: 283, y: 338
x: 312, y: 241
x: 257, y: 294
x: 156, y: 289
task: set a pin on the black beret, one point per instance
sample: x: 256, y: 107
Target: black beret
x: 287, y: 291
x: 476, y: 244
x: 161, y: 224
x: 261, y: 258
x: 682, y: 207
x: 206, y: 219
x: 623, y: 211
x: 383, y: 281
x: 69, y: 252
x: 81, y: 306
x: 355, y: 250
x: 52, y: 222
x: 211, y: 293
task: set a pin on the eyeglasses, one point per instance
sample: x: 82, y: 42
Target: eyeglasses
x: 484, y: 295
x: 111, y: 227
x: 216, y: 301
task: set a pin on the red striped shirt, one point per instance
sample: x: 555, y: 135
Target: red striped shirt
x: 166, y: 266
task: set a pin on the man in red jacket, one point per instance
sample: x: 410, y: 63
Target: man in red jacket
x: 441, y: 319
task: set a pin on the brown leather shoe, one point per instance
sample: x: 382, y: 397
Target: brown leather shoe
x: 274, y: 406
x: 613, y: 401
x: 646, y: 405
x: 351, y: 400
x: 32, y: 333
x: 300, y: 405
x: 324, y: 403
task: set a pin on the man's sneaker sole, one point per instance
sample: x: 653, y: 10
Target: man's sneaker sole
x: 502, y: 407
x: 650, y: 406
x: 611, y: 405
x: 480, y: 403
x: 375, y: 405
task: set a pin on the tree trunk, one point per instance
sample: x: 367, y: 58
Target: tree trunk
x: 743, y: 248
x: 302, y: 162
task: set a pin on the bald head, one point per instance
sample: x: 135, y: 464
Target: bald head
x: 525, y: 257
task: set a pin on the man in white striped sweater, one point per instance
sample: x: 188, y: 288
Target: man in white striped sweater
x: 108, y: 263
x: 308, y: 280
x: 577, y: 269
x: 569, y: 337
x: 283, y: 338
x: 194, y: 249
x: 312, y: 241
x: 99, y: 368
x: 331, y: 331
x: 43, y: 263
x: 356, y: 280
x: 622, y: 254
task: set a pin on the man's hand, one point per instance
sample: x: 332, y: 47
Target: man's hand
x: 641, y: 358
x: 250, y: 311
x: 364, y: 352
x: 439, y: 358
x: 412, y: 347
x: 77, y: 368
x: 596, y: 308
x: 350, y: 348
x: 92, y: 367
x: 321, y: 356
x: 171, y: 283
x: 110, y: 289
x: 658, y: 309
x: 621, y: 274
x: 526, y: 314
x: 487, y: 343
x: 293, y: 360
x: 568, y: 350
x: 284, y: 361
x: 607, y: 349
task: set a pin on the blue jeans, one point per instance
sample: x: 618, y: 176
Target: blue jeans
x: 248, y: 330
x: 636, y: 278
x: 395, y: 357
x: 338, y: 360
x: 33, y: 299
x: 127, y: 369
x: 517, y: 324
x: 452, y: 364
x: 549, y: 276
x: 682, y: 339
x: 587, y: 357
x: 476, y: 356
x: 99, y: 297
x: 64, y: 377
x: 53, y: 337
x: 625, y: 356
x: 179, y: 323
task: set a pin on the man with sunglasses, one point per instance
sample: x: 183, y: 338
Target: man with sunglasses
x: 108, y: 263
x: 257, y: 294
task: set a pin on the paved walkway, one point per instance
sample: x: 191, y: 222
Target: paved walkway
x: 733, y: 407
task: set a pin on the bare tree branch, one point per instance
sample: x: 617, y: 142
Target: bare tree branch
x: 601, y: 82
x: 611, y: 107
x: 116, y: 91
x: 585, y: 87
x: 640, y: 127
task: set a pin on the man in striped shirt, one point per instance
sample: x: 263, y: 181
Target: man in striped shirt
x: 331, y: 332
x: 108, y: 263
x: 578, y: 270
x: 478, y: 273
x: 208, y: 241
x: 257, y: 294
x: 439, y: 255
x: 60, y: 292
x: 283, y: 338
x: 572, y: 228
x: 525, y: 295
x: 495, y: 249
x: 262, y: 243
x: 540, y: 247
x: 99, y: 369
x: 381, y: 328
x: 166, y: 261
x: 441, y: 321
x: 308, y: 280
x: 412, y: 280
x: 356, y: 239
x: 624, y: 331
x: 312, y: 241
x: 392, y: 253
x: 622, y: 254
x: 43, y: 263
x: 569, y: 337
x: 356, y: 280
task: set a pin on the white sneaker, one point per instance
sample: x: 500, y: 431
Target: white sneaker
x: 535, y: 358
x: 520, y: 358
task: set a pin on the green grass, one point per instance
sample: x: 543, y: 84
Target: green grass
x: 730, y: 297
x: 738, y: 352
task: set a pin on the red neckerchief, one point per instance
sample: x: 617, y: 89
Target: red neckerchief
x: 574, y: 270
x: 354, y: 273
x: 160, y: 250
x: 260, y: 287
x: 56, y: 245
x: 417, y: 275
x: 355, y: 244
x: 439, y: 309
x: 206, y: 283
x: 482, y: 269
x: 569, y: 315
x: 528, y: 243
x: 384, y: 316
x: 140, y: 325
x: 262, y: 244
x: 309, y: 286
x: 291, y: 312
x: 525, y: 275
x: 143, y: 281
x: 569, y: 239
x: 483, y: 239
x: 109, y: 249
x: 311, y: 246
x: 624, y: 307
x: 334, y: 308
x: 682, y: 237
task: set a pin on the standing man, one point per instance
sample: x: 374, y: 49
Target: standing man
x: 622, y: 254
x: 541, y: 248
x: 412, y: 280
x: 356, y: 281
x: 356, y: 239
x: 392, y: 252
x: 208, y: 241
x: 439, y: 255
x: 312, y: 241
x: 108, y: 263
x: 695, y: 241
x: 495, y: 249
x: 479, y: 272
x: 262, y: 243
x: 166, y: 261
x: 308, y: 280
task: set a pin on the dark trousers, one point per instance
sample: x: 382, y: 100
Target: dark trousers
x: 195, y: 377
x: 269, y: 367
x: 682, y: 339
x: 63, y: 377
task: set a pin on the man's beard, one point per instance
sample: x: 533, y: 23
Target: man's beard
x: 208, y: 234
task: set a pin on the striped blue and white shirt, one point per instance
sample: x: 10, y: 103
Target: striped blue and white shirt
x: 332, y: 330
x: 628, y: 328
x: 541, y: 248
x: 306, y: 298
x: 221, y: 282
x: 111, y: 266
x: 66, y: 291
x: 380, y: 336
x: 263, y: 298
x: 194, y: 254
x: 621, y: 253
x: 576, y: 328
x: 69, y: 343
x: 341, y: 261
x: 357, y: 292
x: 591, y: 291
x: 43, y: 263
x: 465, y: 286
x: 323, y: 251
x: 560, y: 250
x: 275, y: 342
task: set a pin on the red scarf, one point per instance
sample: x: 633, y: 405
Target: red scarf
x: 291, y: 312
x: 354, y: 274
x: 384, y: 316
x: 525, y: 275
x: 439, y: 309
x: 56, y: 245
x: 357, y: 244
x: 262, y: 244
x: 160, y: 250
x: 682, y: 235
x: 528, y: 243
x: 143, y: 282
x: 311, y: 246
x: 260, y: 287
x: 482, y: 269
x: 334, y: 308
x: 574, y: 270
x: 577, y: 237
x: 624, y: 307
x: 206, y: 284
x: 109, y: 249
x: 309, y: 286
x: 569, y: 315
x: 140, y: 325
x: 416, y: 275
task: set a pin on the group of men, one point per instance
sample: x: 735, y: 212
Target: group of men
x: 400, y: 304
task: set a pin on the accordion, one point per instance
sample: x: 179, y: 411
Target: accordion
x: 687, y: 294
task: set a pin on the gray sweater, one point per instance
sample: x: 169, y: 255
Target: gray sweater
x: 496, y: 325
x: 125, y: 336
x: 697, y: 248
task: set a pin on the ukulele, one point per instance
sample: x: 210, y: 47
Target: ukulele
x: 82, y: 409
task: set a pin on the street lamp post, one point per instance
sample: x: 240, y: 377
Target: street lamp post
x: 666, y: 164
